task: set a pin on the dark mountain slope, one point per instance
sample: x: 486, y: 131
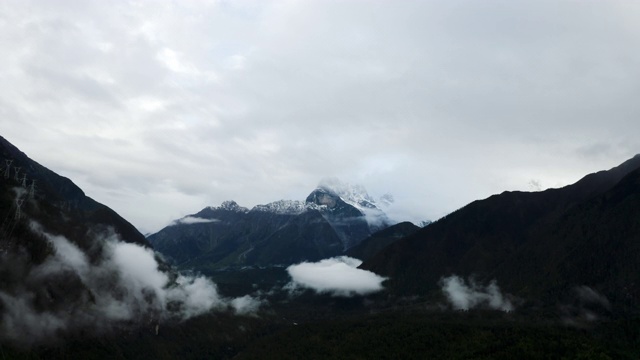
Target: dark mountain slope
x: 227, y: 227
x: 501, y: 231
x: 596, y: 243
x: 381, y: 239
x: 306, y: 237
x: 52, y: 196
x: 62, y: 257
x: 347, y: 221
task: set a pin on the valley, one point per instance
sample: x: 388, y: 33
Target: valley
x: 523, y: 274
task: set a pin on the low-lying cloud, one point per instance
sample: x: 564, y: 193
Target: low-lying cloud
x: 188, y: 220
x: 123, y: 284
x: 463, y: 296
x: 338, y: 276
x: 586, y: 305
x: 246, y: 305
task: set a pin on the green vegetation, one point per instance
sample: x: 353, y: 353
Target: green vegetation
x: 390, y: 335
x: 476, y: 335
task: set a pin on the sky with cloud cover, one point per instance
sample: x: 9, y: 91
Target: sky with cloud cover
x: 160, y: 108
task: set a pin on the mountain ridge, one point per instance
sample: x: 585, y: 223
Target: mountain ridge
x: 61, y: 192
x: 231, y: 235
x: 497, y: 238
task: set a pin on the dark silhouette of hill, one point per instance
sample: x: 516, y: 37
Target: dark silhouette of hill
x: 535, y: 244
x: 51, y: 237
x: 596, y: 243
x: 381, y: 239
x: 58, y: 198
x: 56, y: 201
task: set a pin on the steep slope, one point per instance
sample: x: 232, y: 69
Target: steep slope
x: 215, y: 231
x: 357, y: 197
x: 596, y: 243
x: 349, y: 223
x: 57, y: 251
x: 527, y: 241
x: 72, y: 268
x: 307, y: 237
x: 53, y: 200
x: 381, y: 239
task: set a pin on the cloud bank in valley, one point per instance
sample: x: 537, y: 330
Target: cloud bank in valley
x: 122, y: 284
x: 338, y: 276
x: 463, y: 296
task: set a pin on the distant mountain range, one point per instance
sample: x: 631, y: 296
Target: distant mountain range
x: 333, y: 218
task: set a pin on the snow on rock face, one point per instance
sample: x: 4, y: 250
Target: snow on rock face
x: 230, y: 206
x: 325, y: 196
x: 354, y: 195
x: 286, y: 207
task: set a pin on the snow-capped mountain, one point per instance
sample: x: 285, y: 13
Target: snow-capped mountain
x: 229, y: 206
x: 358, y: 197
x: 354, y: 195
x: 333, y: 218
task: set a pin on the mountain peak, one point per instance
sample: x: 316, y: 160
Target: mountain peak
x: 352, y: 194
x: 230, y: 205
x: 321, y: 196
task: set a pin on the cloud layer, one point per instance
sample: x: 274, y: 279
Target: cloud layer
x: 463, y: 296
x: 338, y: 276
x: 161, y: 109
x: 193, y: 220
x: 123, y: 284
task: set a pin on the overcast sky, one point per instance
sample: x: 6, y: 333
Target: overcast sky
x: 160, y: 108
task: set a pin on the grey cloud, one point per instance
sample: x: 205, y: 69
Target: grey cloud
x: 194, y: 220
x: 463, y: 296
